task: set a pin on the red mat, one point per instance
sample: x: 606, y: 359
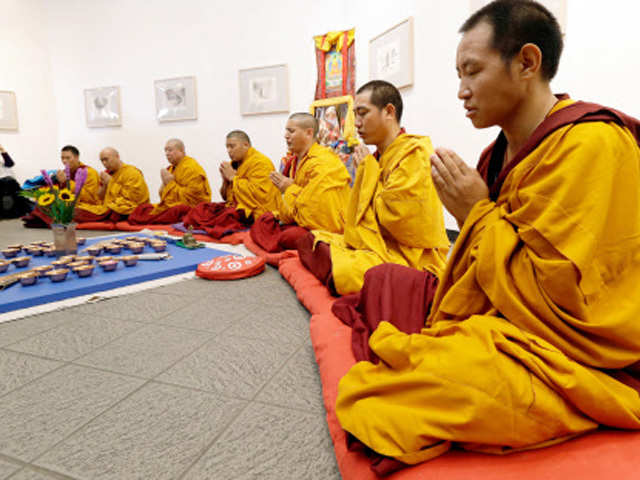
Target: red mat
x: 273, y: 259
x: 96, y: 226
x: 601, y: 455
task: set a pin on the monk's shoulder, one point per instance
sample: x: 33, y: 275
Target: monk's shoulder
x: 320, y: 155
x: 260, y: 159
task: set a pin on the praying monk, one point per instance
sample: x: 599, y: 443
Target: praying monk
x: 122, y: 189
x: 246, y: 188
x: 394, y: 214
x: 184, y: 185
x: 315, y: 190
x: 89, y: 195
x: 533, y: 335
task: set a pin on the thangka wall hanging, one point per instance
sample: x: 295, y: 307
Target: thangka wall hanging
x: 336, y: 60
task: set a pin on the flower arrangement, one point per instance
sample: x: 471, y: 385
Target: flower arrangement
x: 56, y: 202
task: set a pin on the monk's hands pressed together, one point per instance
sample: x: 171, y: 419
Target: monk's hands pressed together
x: 166, y: 176
x: 281, y: 181
x: 359, y: 152
x: 227, y: 171
x: 459, y: 186
x: 61, y: 177
x: 105, y: 178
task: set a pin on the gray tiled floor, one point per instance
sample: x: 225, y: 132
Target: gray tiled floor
x: 194, y: 380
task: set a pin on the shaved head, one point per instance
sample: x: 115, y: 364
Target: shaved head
x: 305, y: 120
x: 239, y: 135
x: 110, y: 151
x: 176, y: 143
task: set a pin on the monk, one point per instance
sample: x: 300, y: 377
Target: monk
x: 533, y: 335
x: 184, y: 185
x: 89, y: 196
x: 394, y: 213
x: 246, y: 188
x: 122, y: 189
x: 315, y: 190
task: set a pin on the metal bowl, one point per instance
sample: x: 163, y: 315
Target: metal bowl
x: 94, y: 250
x: 10, y: 252
x: 29, y: 278
x: 109, y: 265
x: 21, y: 262
x: 58, y: 275
x: 84, y: 270
x: 129, y: 260
x: 4, y: 266
x: 81, y: 240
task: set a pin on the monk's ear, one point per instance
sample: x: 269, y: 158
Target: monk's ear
x: 529, y: 61
x: 389, y: 111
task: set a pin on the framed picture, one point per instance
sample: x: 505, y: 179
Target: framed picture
x: 557, y: 7
x: 102, y: 107
x: 176, y: 99
x: 264, y: 90
x: 391, y: 55
x: 8, y: 111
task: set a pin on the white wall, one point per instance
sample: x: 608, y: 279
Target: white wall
x: 131, y: 43
x: 25, y: 70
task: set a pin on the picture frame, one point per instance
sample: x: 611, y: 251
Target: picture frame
x: 176, y: 99
x: 264, y: 90
x: 391, y: 55
x: 557, y: 7
x: 102, y: 107
x: 8, y: 110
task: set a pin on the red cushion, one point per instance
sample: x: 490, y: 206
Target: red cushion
x: 95, y: 226
x: 271, y: 258
x: 230, y: 267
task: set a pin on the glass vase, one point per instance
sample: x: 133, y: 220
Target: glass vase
x: 64, y: 239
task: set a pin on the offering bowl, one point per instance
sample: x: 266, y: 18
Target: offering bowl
x: 58, y: 275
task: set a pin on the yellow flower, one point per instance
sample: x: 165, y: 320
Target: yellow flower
x: 66, y: 195
x: 46, y: 199
x: 43, y: 189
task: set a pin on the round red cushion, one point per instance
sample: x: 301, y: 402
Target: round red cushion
x: 230, y: 267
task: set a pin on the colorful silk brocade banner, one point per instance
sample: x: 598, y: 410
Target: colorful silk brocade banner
x: 336, y: 60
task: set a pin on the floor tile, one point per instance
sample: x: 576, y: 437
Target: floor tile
x: 141, y: 307
x: 39, y: 415
x: 32, y: 474
x: 246, y: 449
x: 231, y: 366
x: 287, y: 323
x: 76, y: 338
x: 297, y: 385
x: 205, y: 315
x: 17, y: 369
x: 7, y: 469
x: 145, y: 352
x: 16, y: 330
x: 157, y: 433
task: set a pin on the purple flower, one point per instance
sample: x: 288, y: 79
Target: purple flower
x: 67, y: 172
x: 81, y: 178
x: 46, y: 177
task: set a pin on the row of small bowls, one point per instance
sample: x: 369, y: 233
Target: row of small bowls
x: 82, y: 266
x: 36, y: 249
x: 134, y: 244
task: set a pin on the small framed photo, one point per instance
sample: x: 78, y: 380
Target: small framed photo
x: 8, y: 111
x: 102, y: 107
x: 391, y: 55
x: 176, y: 99
x: 264, y: 90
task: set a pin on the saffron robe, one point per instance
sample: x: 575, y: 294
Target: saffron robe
x: 394, y: 216
x: 535, y: 317
x: 319, y: 194
x: 251, y: 189
x: 189, y: 188
x: 125, y: 191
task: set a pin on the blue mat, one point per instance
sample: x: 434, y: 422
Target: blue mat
x: 44, y: 291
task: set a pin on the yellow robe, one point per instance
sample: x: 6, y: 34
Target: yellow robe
x: 189, y: 187
x: 394, y: 216
x: 538, y: 299
x: 320, y: 192
x: 125, y: 191
x: 252, y: 190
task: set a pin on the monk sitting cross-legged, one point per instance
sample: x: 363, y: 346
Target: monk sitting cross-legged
x: 315, y: 189
x: 394, y: 213
x: 246, y: 188
x: 533, y: 335
x: 89, y: 195
x: 184, y: 185
x: 122, y: 189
